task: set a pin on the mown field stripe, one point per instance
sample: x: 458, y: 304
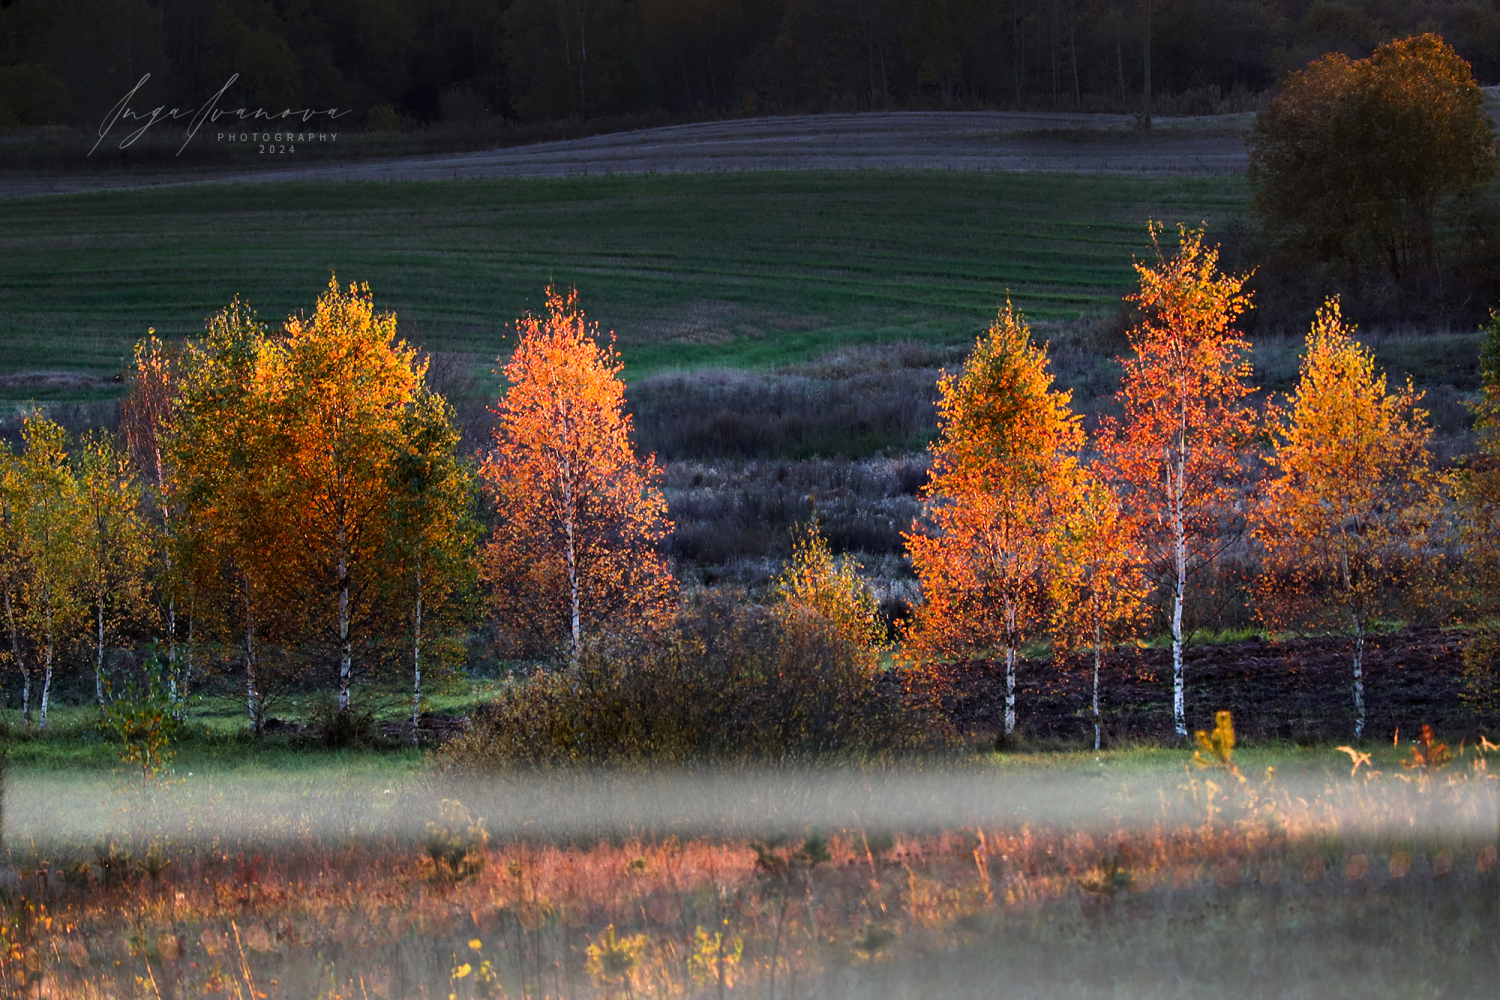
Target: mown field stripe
x: 832, y: 257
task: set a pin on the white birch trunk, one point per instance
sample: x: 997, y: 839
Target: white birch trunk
x: 1177, y: 471
x: 1010, y: 669
x: 346, y: 649
x: 15, y: 648
x: 576, y: 642
x: 182, y: 684
x: 252, y: 695
x: 47, y: 668
x: 1359, y: 677
x: 99, y: 652
x: 1010, y: 690
x: 1098, y: 644
x: 416, y: 661
x: 172, y: 652
x: 570, y: 553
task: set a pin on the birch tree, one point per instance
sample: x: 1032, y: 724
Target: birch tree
x: 433, y: 536
x: 1173, y: 449
x: 579, y: 515
x: 992, y: 509
x: 49, y: 520
x: 1098, y: 589
x: 1346, y: 512
x: 15, y: 563
x: 115, y: 544
x: 341, y: 384
x: 146, y: 419
x: 231, y: 539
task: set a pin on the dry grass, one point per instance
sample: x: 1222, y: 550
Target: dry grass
x: 1375, y: 886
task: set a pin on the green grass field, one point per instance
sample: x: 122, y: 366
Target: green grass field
x: 216, y: 739
x: 740, y: 270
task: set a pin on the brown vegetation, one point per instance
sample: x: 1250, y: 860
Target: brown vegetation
x: 1327, y: 877
x: 730, y: 682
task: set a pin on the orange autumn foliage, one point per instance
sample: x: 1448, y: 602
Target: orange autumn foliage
x: 229, y: 539
x: 1098, y: 590
x: 579, y: 516
x: 1174, y: 448
x: 1003, y: 466
x: 1345, y: 513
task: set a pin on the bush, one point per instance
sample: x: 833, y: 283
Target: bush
x: 350, y: 728
x: 142, y: 719
x: 730, y: 683
x: 832, y: 593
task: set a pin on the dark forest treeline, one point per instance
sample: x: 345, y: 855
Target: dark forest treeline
x: 427, y: 61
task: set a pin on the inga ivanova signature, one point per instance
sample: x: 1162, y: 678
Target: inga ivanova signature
x: 209, y: 111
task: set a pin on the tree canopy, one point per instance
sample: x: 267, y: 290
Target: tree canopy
x: 579, y: 515
x: 1175, y: 447
x: 1004, y: 467
x: 315, y: 474
x: 453, y: 62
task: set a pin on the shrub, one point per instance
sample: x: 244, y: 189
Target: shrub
x: 731, y: 682
x: 143, y: 721
x: 349, y: 728
x: 831, y: 592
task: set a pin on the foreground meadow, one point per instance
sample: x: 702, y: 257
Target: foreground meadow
x: 1120, y: 874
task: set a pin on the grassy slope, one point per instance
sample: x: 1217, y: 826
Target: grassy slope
x: 723, y: 270
x: 217, y: 737
x: 217, y: 741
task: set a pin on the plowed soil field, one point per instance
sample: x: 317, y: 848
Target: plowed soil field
x: 933, y: 140
x: 1298, y: 690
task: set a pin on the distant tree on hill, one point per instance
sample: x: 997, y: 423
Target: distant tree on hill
x: 578, y: 515
x: 576, y: 60
x: 1352, y: 159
